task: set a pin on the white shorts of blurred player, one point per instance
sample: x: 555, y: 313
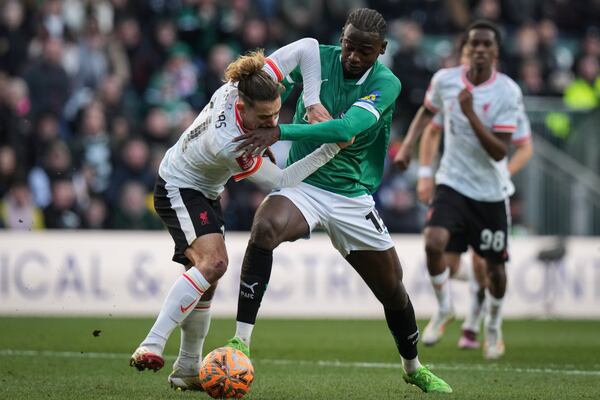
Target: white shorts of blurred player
x: 352, y: 223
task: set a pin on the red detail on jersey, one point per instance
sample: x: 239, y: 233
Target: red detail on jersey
x: 275, y: 69
x: 430, y: 106
x: 245, y: 161
x: 245, y: 174
x: 204, y: 218
x: 238, y: 118
x: 468, y: 83
x: 504, y: 128
x: 486, y: 107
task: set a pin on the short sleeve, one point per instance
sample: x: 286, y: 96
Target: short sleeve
x: 523, y: 131
x: 433, y: 98
x: 506, y: 119
x: 382, y: 94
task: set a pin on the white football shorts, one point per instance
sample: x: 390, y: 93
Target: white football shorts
x: 352, y: 223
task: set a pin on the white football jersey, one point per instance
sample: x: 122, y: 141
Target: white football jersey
x: 204, y: 157
x: 466, y: 166
x: 521, y: 135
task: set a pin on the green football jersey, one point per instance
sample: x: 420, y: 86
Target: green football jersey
x: 358, y: 169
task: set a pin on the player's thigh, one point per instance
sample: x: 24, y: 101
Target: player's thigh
x: 279, y: 218
x: 353, y: 224
x: 489, y: 230
x: 207, y: 249
x: 445, y: 228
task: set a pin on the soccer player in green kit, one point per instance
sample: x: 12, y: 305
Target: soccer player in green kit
x: 360, y: 94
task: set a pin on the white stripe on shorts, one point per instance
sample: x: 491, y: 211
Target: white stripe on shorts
x: 183, y: 216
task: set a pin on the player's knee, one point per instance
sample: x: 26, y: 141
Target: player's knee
x: 219, y: 265
x: 434, y: 244
x: 266, y: 232
x: 496, y: 273
x: 213, y: 267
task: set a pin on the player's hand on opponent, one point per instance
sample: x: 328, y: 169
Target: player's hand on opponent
x: 425, y: 189
x: 270, y: 154
x: 317, y: 113
x: 343, y: 145
x: 465, y: 98
x: 402, y: 158
x: 257, y: 140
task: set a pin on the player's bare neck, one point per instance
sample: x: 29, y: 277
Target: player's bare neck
x: 477, y: 76
x: 351, y: 76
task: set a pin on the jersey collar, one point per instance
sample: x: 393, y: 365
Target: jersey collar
x: 469, y: 85
x: 362, y: 78
x: 238, y: 119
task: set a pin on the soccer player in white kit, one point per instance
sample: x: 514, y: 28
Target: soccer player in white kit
x: 192, y: 175
x: 428, y: 149
x: 480, y: 107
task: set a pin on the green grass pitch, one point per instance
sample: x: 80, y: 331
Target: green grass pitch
x: 60, y: 358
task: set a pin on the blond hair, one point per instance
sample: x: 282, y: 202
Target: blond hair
x: 254, y: 83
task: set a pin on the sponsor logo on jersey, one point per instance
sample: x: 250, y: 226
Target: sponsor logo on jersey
x: 371, y: 98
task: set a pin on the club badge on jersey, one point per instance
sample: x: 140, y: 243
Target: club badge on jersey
x: 245, y: 161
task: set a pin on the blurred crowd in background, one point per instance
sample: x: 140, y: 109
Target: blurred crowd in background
x: 92, y: 93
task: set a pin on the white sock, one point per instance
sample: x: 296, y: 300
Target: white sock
x: 473, y: 319
x: 243, y: 330
x: 194, y: 329
x: 441, y: 288
x: 178, y: 304
x: 410, y: 366
x: 463, y: 273
x: 494, y: 311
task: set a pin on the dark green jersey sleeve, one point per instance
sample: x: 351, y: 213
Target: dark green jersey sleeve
x: 363, y: 114
x: 356, y: 120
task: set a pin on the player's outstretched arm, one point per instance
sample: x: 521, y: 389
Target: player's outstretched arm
x: 354, y: 121
x: 270, y: 176
x: 305, y: 54
x: 428, y: 151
